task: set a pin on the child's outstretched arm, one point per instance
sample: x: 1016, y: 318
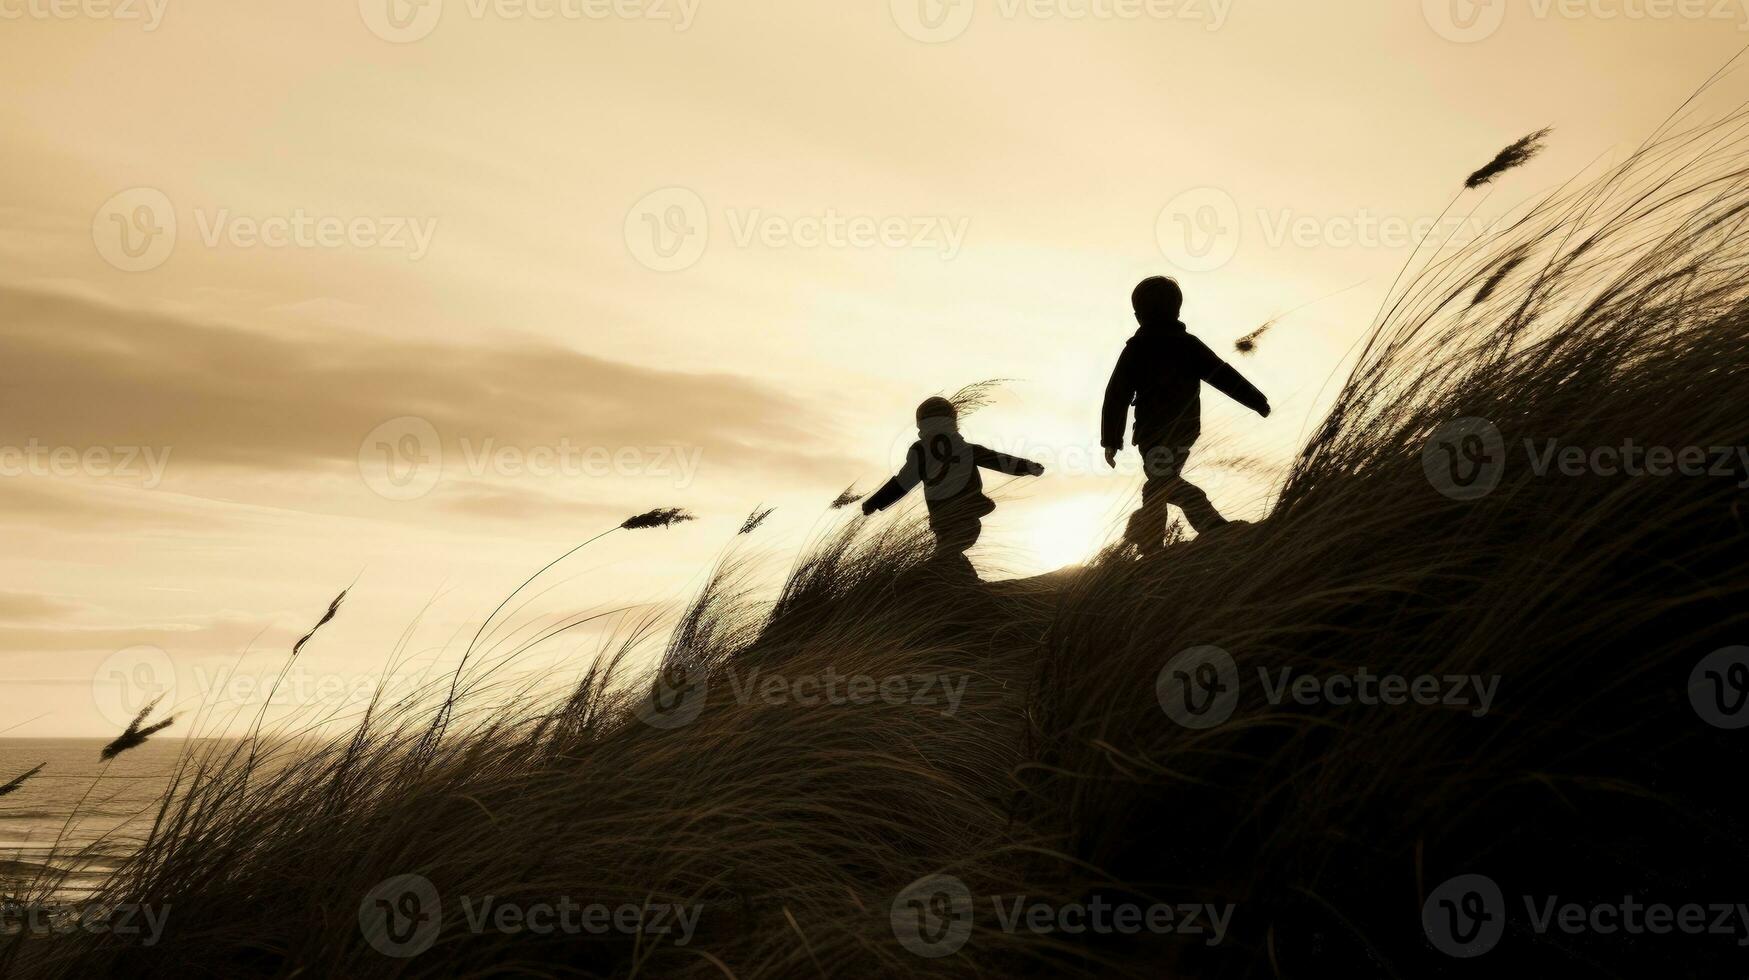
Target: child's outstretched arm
x: 895, y: 489
x: 1233, y: 384
x: 990, y: 459
x: 1230, y: 382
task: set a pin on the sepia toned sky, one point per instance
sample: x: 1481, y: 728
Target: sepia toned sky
x: 411, y: 297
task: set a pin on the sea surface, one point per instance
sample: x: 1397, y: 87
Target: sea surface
x: 80, y: 814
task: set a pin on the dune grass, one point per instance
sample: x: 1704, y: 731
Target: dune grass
x: 1614, y: 310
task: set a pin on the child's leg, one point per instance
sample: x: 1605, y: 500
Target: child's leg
x: 1147, y: 526
x: 1163, y: 466
x: 956, y: 535
x: 1197, y: 507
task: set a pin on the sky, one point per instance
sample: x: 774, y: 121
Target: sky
x: 409, y: 297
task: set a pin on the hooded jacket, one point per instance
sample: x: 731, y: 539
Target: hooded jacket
x: 1161, y: 371
x: 947, y: 466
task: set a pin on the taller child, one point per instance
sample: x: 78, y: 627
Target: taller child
x: 1161, y: 372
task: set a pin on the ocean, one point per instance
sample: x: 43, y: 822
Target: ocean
x: 80, y: 813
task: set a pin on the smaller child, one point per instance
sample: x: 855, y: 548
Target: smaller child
x: 947, y: 466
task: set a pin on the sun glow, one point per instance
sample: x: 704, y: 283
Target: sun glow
x: 1066, y: 532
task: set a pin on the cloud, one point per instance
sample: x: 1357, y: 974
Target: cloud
x: 31, y: 607
x: 517, y: 503
x: 99, y: 509
x: 226, y: 634
x: 84, y: 374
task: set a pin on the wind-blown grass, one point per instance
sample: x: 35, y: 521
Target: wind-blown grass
x: 1512, y: 157
x: 137, y: 733
x: 7, y: 789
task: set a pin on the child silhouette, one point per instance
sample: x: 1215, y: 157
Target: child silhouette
x: 947, y: 466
